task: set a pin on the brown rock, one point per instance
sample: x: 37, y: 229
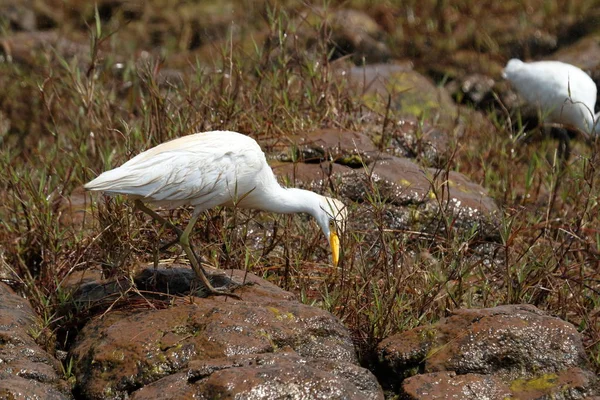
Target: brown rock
x: 527, y: 350
x: 572, y: 383
x: 348, y: 33
x: 407, y: 92
x: 17, y: 388
x: 473, y: 88
x: 507, y: 339
x: 412, y: 138
x: 181, y: 279
x: 90, y: 290
x: 302, y: 174
x: 419, y: 194
x: 530, y: 40
x: 26, y: 47
x: 266, y: 376
x: 415, y: 195
x: 569, y: 384
x: 24, y: 366
x: 357, y: 34
x: 353, y: 149
x: 449, y: 385
x: 585, y: 54
x: 20, y: 15
x: 400, y: 181
x: 122, y: 351
x: 465, y: 62
x: 193, y: 23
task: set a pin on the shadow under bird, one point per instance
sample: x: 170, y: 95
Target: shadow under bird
x: 209, y: 169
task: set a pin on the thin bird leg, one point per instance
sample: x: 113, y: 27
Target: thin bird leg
x: 563, y: 153
x: 183, y: 237
x: 142, y: 207
x: 564, y: 148
x: 184, y: 240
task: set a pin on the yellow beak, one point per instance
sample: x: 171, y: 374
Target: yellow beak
x: 334, y: 240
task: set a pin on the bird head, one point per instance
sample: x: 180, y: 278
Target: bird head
x: 332, y: 220
x: 511, y: 68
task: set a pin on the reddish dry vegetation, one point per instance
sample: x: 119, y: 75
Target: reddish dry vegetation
x: 91, y: 91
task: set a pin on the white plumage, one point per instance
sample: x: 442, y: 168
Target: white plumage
x: 563, y: 93
x: 198, y: 170
x: 211, y: 169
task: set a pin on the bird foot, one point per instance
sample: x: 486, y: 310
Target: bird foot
x: 219, y: 292
x: 226, y: 290
x: 226, y: 287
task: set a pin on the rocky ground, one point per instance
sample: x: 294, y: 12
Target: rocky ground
x: 470, y: 266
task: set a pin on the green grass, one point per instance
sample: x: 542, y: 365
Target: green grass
x: 72, y: 119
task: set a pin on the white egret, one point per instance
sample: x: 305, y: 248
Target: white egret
x: 563, y: 93
x: 211, y: 169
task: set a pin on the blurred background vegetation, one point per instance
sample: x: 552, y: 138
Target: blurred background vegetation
x: 85, y: 87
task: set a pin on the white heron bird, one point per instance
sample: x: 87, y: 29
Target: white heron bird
x: 209, y: 169
x: 563, y: 93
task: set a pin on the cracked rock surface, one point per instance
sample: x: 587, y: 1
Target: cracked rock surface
x: 512, y: 351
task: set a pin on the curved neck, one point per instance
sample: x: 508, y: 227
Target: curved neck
x: 290, y: 200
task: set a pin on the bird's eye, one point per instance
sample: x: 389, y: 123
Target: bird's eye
x: 331, y: 224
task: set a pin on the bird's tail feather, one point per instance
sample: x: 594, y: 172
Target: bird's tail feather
x: 115, y: 181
